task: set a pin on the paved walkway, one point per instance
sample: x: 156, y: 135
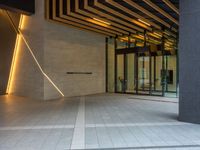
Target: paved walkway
x: 105, y: 121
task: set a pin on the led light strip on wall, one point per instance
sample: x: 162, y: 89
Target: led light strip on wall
x: 15, y: 58
x: 15, y: 55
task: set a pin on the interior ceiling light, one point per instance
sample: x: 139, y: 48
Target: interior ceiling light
x: 144, y: 22
x: 103, y: 24
x: 142, y: 36
x: 126, y: 39
x: 139, y: 37
x: 158, y: 34
x: 154, y: 35
x: 143, y: 25
x: 167, y: 33
x: 101, y: 21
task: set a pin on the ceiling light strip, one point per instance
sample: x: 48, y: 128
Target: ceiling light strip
x: 115, y: 21
x: 125, y: 9
x: 96, y: 3
x: 101, y: 21
x: 154, y: 6
x: 140, y: 8
x: 79, y: 19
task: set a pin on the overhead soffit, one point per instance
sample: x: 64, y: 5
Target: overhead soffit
x: 118, y: 17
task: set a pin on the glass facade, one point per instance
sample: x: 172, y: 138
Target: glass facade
x: 135, y: 68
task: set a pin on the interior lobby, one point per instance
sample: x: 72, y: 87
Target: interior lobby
x: 99, y: 74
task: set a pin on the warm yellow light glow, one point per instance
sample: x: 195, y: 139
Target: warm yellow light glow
x: 153, y: 35
x: 139, y: 44
x: 126, y: 39
x: 48, y: 78
x: 140, y: 24
x: 144, y: 22
x: 158, y: 34
x: 101, y: 21
x: 141, y: 36
x: 15, y: 59
x: 97, y: 22
x: 167, y: 44
x: 13, y: 65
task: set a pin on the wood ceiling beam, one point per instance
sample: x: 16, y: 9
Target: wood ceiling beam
x: 97, y: 4
x: 154, y: 6
x: 145, y: 11
x: 121, y: 23
x: 117, y: 5
x: 72, y: 23
x: 81, y: 19
x: 79, y: 26
x: 91, y: 16
x: 171, y: 5
x: 102, y: 17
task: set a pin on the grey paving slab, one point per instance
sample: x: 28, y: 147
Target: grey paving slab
x: 109, y: 121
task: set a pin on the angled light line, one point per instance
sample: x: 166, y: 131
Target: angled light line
x: 102, y: 21
x: 10, y: 79
x: 48, y: 78
x: 13, y: 66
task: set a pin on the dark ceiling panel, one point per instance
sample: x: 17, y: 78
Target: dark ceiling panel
x: 22, y: 6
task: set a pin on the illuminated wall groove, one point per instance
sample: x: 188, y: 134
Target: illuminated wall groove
x: 20, y: 36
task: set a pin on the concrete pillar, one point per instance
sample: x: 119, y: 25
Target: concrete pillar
x: 189, y: 53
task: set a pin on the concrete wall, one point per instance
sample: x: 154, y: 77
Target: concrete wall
x: 58, y: 49
x: 189, y: 51
x: 7, y: 45
x: 27, y: 79
x: 73, y: 50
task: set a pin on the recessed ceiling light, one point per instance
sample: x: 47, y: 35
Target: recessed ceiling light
x: 144, y: 22
x: 101, y: 21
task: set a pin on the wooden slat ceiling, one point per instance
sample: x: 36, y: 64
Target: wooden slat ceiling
x: 119, y: 17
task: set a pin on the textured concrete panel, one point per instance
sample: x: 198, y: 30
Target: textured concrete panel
x: 58, y: 49
x: 7, y: 44
x: 189, y: 108
x: 28, y: 80
x: 72, y: 50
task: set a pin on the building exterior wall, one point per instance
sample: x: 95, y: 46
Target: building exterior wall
x: 189, y: 64
x: 7, y: 44
x: 73, y: 50
x: 27, y: 78
x: 58, y: 49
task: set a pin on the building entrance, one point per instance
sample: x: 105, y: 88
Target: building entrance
x: 142, y: 70
x: 137, y: 74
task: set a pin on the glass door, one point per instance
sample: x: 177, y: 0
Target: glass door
x: 143, y: 75
x: 120, y: 76
x: 157, y: 73
x: 125, y: 70
x: 130, y: 73
x: 139, y: 73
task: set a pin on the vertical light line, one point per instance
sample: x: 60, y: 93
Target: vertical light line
x: 10, y: 80
x: 15, y: 54
x: 13, y: 68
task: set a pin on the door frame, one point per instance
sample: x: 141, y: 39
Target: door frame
x: 125, y: 52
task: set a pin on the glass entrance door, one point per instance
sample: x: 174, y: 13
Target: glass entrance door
x: 125, y: 69
x: 120, y: 76
x: 139, y: 73
x: 130, y: 73
x: 143, y: 75
x: 156, y: 62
